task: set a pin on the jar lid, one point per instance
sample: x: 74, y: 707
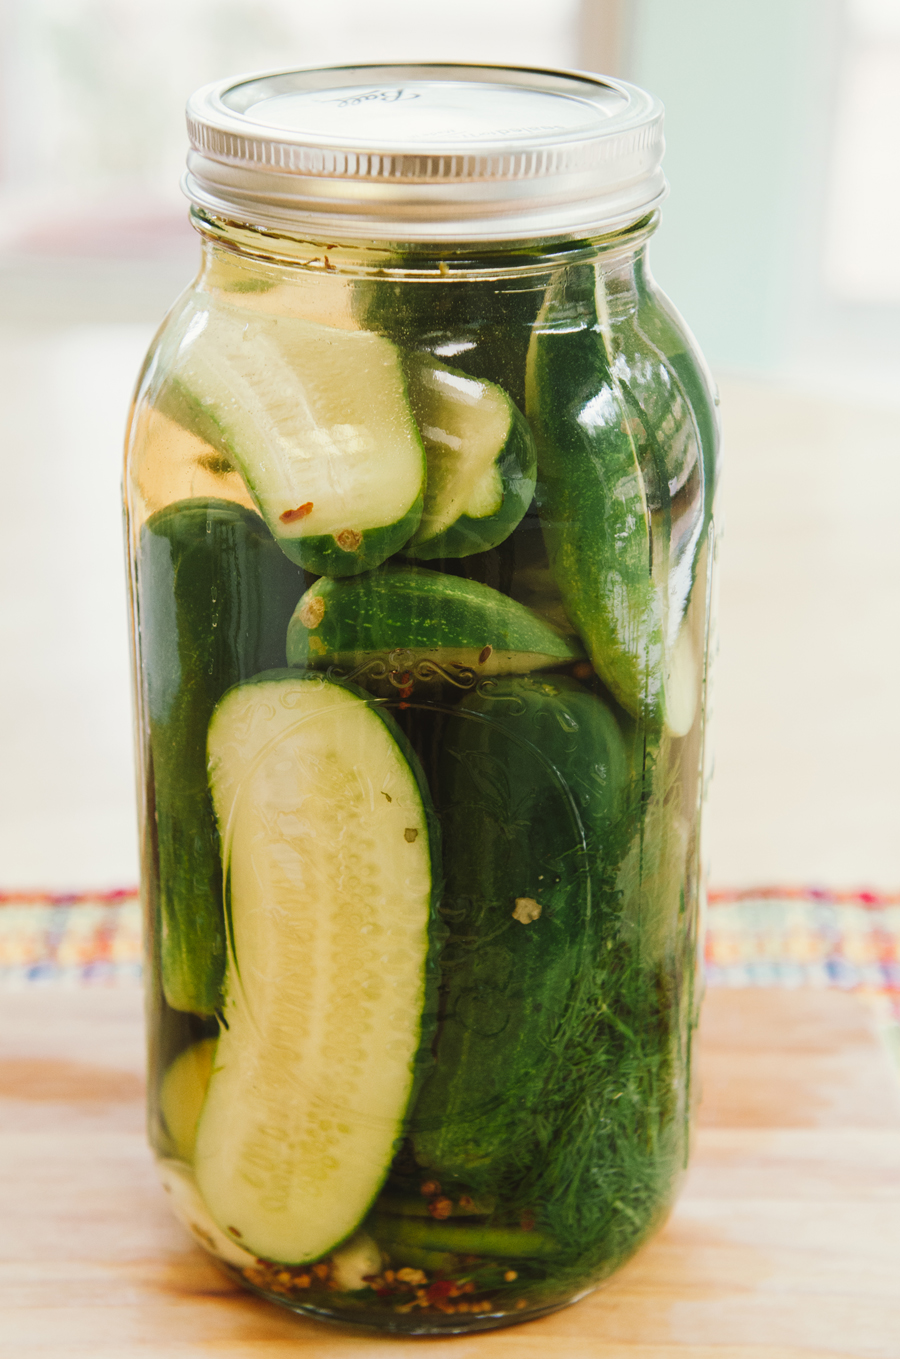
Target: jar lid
x: 426, y: 152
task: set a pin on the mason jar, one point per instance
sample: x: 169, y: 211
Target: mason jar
x: 419, y: 483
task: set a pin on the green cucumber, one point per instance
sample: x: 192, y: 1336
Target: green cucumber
x: 660, y: 324
x: 481, y: 461
x: 214, y: 598
x: 593, y: 505
x: 480, y: 322
x: 534, y: 788
x: 408, y: 620
x: 317, y: 419
x: 622, y: 493
x: 182, y: 1092
x: 327, y: 843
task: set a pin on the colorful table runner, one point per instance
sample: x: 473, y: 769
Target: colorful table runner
x: 772, y: 936
x: 70, y: 939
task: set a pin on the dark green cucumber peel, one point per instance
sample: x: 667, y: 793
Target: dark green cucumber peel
x: 481, y: 325
x: 594, y: 1151
x: 661, y: 325
x: 593, y: 503
x: 214, y: 598
x: 669, y: 446
x: 468, y: 426
x: 534, y: 776
x: 419, y: 614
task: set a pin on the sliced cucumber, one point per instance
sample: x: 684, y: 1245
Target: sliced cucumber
x: 593, y: 505
x: 318, y: 421
x: 682, y: 687
x: 327, y: 847
x: 476, y: 320
x: 182, y: 1092
x: 621, y: 496
x: 406, y: 619
x: 481, y: 461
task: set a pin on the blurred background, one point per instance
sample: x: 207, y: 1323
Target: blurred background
x: 780, y: 243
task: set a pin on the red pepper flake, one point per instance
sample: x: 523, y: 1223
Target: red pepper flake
x: 484, y: 654
x: 440, y: 1289
x: 429, y: 1187
x: 439, y: 1208
x: 320, y: 1271
x: 466, y: 1202
x: 291, y: 516
x: 582, y: 670
x: 234, y: 1231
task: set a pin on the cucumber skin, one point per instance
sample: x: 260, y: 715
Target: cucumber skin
x: 489, y: 325
x: 517, y: 466
x: 594, y: 515
x: 662, y: 324
x: 321, y: 555
x: 533, y: 775
x: 194, y: 647
x: 407, y: 607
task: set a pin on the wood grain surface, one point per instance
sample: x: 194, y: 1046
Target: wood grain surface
x: 785, y: 1243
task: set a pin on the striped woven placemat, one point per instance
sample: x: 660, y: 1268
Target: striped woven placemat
x: 806, y: 936
x: 767, y: 936
x: 70, y: 939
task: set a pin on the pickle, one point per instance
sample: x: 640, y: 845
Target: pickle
x: 328, y: 850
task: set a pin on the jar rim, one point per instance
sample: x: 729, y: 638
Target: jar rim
x: 426, y: 152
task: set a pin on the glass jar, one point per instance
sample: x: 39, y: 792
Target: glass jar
x: 421, y: 531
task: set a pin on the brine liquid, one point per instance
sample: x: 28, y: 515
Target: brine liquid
x: 546, y: 1188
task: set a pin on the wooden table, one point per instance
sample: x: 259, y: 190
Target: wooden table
x: 785, y: 1243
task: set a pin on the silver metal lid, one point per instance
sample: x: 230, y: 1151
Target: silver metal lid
x: 431, y: 152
